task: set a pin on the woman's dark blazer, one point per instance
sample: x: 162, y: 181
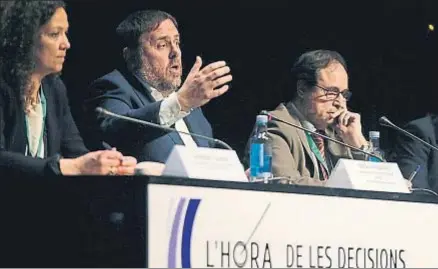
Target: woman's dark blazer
x: 61, y: 136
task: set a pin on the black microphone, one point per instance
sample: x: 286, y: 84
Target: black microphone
x: 384, y: 121
x: 154, y: 125
x: 264, y: 112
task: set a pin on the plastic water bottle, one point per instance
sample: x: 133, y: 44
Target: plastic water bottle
x: 260, y: 152
x: 375, y: 145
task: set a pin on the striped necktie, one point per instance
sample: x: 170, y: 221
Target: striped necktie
x: 319, y: 141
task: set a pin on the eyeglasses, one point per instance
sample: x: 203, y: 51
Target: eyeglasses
x: 334, y: 92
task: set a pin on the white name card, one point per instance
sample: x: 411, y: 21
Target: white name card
x: 204, y: 163
x: 363, y: 175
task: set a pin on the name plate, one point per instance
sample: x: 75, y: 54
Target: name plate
x: 204, y: 163
x: 363, y: 175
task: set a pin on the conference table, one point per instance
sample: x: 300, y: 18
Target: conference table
x: 142, y: 221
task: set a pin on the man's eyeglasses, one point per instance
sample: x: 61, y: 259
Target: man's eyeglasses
x: 334, y: 92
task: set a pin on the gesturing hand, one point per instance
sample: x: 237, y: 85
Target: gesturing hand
x: 201, y: 85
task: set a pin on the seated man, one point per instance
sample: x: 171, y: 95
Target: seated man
x: 320, y: 105
x: 410, y: 153
x: 147, y: 89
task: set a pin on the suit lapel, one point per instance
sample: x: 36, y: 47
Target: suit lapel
x: 50, y: 120
x: 293, y: 118
x: 139, y: 88
x: 145, y: 97
x: 191, y: 126
x: 335, y: 150
x: 18, y: 141
x: 434, y: 121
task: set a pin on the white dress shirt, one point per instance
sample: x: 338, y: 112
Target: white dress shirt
x: 170, y: 113
x: 35, y: 129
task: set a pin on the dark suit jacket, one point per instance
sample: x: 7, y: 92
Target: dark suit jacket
x: 409, y: 153
x: 122, y: 93
x: 61, y: 136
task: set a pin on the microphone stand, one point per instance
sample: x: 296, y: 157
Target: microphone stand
x: 384, y: 121
x: 154, y: 125
x: 324, y: 136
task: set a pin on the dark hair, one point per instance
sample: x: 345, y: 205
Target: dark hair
x: 20, y: 22
x: 306, y: 69
x: 136, y: 24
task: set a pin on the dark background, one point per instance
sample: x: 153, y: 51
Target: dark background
x: 390, y: 53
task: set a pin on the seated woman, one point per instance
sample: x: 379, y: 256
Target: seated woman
x: 38, y: 135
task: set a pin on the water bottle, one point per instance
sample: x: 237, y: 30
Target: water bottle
x: 375, y: 145
x: 260, y: 152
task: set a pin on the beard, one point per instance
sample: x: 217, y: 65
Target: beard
x: 162, y: 80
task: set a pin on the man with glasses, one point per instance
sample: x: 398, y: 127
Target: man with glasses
x: 319, y: 104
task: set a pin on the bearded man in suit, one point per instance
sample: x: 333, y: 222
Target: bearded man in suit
x: 149, y: 88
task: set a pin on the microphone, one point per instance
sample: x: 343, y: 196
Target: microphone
x: 154, y: 125
x: 384, y: 121
x: 264, y: 112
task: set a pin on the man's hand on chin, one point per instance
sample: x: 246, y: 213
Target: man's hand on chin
x: 349, y: 128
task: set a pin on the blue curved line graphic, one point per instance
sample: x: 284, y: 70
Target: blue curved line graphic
x: 171, y: 259
x: 187, y: 232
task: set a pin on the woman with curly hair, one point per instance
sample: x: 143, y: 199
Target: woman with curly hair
x: 38, y: 135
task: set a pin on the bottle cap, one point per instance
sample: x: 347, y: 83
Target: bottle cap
x: 374, y: 134
x: 262, y: 119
